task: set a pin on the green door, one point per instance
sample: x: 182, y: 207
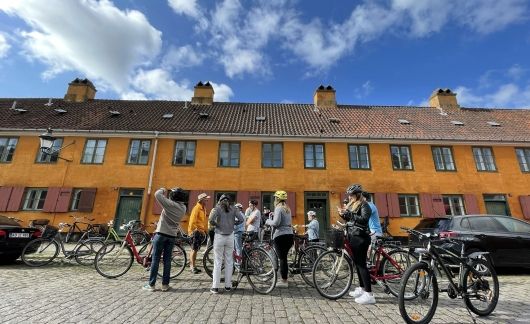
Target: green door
x: 129, y: 208
x: 318, y: 202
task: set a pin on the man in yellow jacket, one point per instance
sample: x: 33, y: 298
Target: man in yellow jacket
x: 197, y: 229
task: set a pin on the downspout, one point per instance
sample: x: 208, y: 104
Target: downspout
x: 150, y: 181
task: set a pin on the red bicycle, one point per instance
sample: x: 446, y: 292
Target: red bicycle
x: 333, y: 271
x: 114, y: 259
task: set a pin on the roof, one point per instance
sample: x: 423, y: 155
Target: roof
x: 281, y: 120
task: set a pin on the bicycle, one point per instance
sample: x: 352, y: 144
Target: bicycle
x: 477, y: 280
x: 333, y: 270
x: 45, y: 249
x: 74, y: 229
x: 139, y: 233
x: 114, y: 259
x: 254, y: 263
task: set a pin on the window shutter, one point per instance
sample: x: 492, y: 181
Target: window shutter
x: 242, y: 198
x: 254, y: 195
x: 291, y: 202
x: 381, y: 203
x: 438, y: 205
x: 192, y: 199
x: 63, y: 201
x: 210, y: 203
x: 426, y: 205
x: 471, y: 204
x: 51, y: 199
x: 393, y: 204
x: 15, y: 199
x: 86, y: 199
x: 525, y: 206
x: 5, y: 193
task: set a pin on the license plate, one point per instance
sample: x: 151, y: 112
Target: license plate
x: 19, y: 235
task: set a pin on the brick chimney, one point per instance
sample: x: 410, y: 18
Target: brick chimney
x: 443, y: 98
x: 80, y: 91
x: 325, y: 97
x: 202, y: 94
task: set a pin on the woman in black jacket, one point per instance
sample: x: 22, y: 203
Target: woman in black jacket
x: 358, y: 212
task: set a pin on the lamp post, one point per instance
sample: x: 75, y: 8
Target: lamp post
x: 46, y: 144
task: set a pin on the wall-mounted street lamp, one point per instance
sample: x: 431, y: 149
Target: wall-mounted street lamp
x: 46, y: 144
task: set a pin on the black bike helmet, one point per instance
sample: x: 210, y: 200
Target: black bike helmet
x: 223, y: 197
x: 354, y: 188
x: 177, y: 194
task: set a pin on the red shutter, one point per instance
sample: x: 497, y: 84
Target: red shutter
x: 438, y: 205
x: 471, y: 204
x: 15, y: 199
x: 254, y: 195
x: 343, y: 196
x: 86, y: 200
x: 381, y: 203
x: 210, y: 203
x: 63, y: 201
x: 525, y: 206
x: 291, y: 202
x: 242, y: 198
x: 426, y: 205
x: 51, y: 199
x: 393, y: 204
x: 192, y: 199
x: 5, y: 193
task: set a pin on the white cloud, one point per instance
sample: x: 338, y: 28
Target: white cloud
x: 507, y: 95
x: 365, y: 90
x: 222, y: 92
x: 133, y: 95
x: 92, y: 37
x: 182, y: 57
x: 4, y: 46
x: 191, y: 9
x: 487, y: 16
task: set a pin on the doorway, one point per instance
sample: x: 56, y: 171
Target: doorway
x: 129, y: 208
x: 318, y: 202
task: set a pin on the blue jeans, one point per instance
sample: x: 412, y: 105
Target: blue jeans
x: 238, y: 242
x: 162, y: 247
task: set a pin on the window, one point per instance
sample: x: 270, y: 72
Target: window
x: 486, y: 224
x: 7, y: 148
x: 484, y: 159
x: 139, y: 152
x: 229, y: 154
x: 514, y: 225
x: 76, y: 196
x: 443, y: 159
x: 267, y: 200
x: 184, y: 153
x: 496, y: 204
x: 50, y: 158
x: 34, y: 199
x: 401, y: 159
x: 272, y: 155
x: 523, y: 156
x: 408, y: 205
x: 231, y: 194
x: 314, y: 156
x: 359, y: 156
x: 453, y: 205
x: 94, y: 151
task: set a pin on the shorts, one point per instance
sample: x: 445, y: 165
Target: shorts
x: 197, y: 237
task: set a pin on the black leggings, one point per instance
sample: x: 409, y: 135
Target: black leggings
x: 283, y: 244
x: 359, y: 245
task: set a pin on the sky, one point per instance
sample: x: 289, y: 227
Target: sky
x: 373, y: 52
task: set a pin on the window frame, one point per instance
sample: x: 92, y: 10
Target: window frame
x: 272, y: 155
x: 482, y: 156
x: 526, y: 156
x: 141, y: 140
x: 314, y: 156
x: 35, y: 202
x: 358, y: 155
x: 450, y: 198
x: 173, y: 162
x: 76, y: 197
x: 6, y: 153
x: 409, y: 156
x: 489, y: 197
x: 444, y: 162
x: 407, y: 205
x: 229, y: 154
x: 94, y: 153
x: 48, y: 157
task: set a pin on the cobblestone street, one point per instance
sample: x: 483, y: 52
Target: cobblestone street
x: 65, y: 292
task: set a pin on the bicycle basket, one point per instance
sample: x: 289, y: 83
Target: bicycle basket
x: 335, y: 238
x: 49, y: 231
x: 39, y: 222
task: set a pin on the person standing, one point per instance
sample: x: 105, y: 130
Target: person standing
x: 238, y: 231
x: 374, y: 224
x: 283, y: 233
x: 265, y: 230
x: 197, y: 229
x: 165, y: 234
x: 312, y: 227
x: 253, y: 218
x: 223, y: 218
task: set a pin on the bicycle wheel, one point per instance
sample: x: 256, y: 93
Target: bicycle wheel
x: 178, y: 262
x: 84, y: 255
x: 140, y: 238
x: 40, y: 252
x: 418, y: 294
x: 208, y: 261
x: 113, y: 260
x: 392, y: 269
x: 306, y: 261
x: 260, y: 272
x: 333, y: 274
x: 482, y: 288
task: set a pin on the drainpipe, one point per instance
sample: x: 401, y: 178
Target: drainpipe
x: 150, y: 181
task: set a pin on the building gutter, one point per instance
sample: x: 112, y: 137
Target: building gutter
x: 147, y: 197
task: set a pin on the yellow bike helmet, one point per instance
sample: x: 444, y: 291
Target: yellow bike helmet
x: 281, y: 195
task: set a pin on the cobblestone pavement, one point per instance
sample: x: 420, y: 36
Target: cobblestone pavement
x: 65, y: 292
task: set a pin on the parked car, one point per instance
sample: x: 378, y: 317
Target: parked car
x: 13, y: 238
x: 506, y: 238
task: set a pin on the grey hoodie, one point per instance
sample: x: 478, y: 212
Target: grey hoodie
x: 171, y: 215
x: 224, y: 221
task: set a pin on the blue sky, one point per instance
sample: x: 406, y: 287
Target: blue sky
x: 375, y: 52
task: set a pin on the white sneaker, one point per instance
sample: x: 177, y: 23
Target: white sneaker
x: 357, y: 292
x: 282, y: 284
x: 365, y: 299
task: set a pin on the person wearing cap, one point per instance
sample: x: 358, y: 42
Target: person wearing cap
x: 223, y: 218
x: 313, y: 226
x: 253, y: 217
x: 197, y: 229
x: 238, y: 231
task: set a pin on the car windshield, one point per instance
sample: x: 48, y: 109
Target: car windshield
x: 436, y: 224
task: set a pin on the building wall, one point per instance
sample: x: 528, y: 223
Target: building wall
x: 114, y: 174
